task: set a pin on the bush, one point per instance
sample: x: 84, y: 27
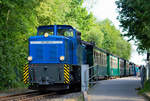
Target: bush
x: 146, y: 87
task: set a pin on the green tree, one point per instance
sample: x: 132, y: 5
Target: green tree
x: 113, y: 41
x: 134, y: 16
x: 17, y: 22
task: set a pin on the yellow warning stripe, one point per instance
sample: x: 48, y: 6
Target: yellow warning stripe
x: 66, y: 73
x: 26, y: 74
x: 66, y: 76
x: 66, y: 79
x: 66, y: 69
x: 66, y: 82
x: 26, y: 68
x: 25, y: 79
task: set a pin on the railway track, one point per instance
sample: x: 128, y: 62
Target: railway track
x: 31, y: 96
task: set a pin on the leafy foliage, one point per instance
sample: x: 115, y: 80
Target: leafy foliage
x: 146, y: 87
x: 15, y: 25
x: 113, y: 41
x: 19, y: 20
x: 134, y: 16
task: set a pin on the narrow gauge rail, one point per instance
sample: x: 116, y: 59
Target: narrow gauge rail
x: 31, y: 96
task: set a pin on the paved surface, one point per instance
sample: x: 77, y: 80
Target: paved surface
x: 121, y: 89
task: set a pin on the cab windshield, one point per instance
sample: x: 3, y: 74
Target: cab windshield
x: 68, y: 32
x: 65, y: 32
x: 48, y: 31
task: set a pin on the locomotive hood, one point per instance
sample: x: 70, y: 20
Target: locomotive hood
x: 51, y: 49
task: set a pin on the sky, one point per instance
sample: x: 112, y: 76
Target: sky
x: 103, y: 9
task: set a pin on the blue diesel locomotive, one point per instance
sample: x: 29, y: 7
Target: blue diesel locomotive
x: 56, y: 54
x: 55, y: 57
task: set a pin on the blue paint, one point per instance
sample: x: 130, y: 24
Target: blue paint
x: 70, y: 48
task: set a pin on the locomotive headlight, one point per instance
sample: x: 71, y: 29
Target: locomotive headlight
x: 62, y: 58
x: 46, y: 35
x: 29, y: 58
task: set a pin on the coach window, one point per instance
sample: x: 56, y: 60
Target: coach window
x: 101, y: 59
x: 112, y: 62
x: 105, y: 60
x: 115, y: 63
x: 96, y: 57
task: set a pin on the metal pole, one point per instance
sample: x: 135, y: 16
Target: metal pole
x: 148, y: 65
x: 84, y: 77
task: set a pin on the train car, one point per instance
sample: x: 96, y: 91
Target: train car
x: 55, y: 57
x: 96, y: 57
x: 113, y: 67
x: 127, y: 68
x: 131, y: 69
x: 100, y: 59
x: 122, y: 67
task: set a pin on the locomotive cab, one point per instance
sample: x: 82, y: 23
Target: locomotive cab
x: 53, y: 54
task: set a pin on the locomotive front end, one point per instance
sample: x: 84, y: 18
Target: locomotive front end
x: 50, y: 57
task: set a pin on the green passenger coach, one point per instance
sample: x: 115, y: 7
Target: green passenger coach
x: 106, y: 64
x: 100, y: 60
x: 113, y: 68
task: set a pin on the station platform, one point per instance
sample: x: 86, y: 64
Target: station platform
x: 120, y: 89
